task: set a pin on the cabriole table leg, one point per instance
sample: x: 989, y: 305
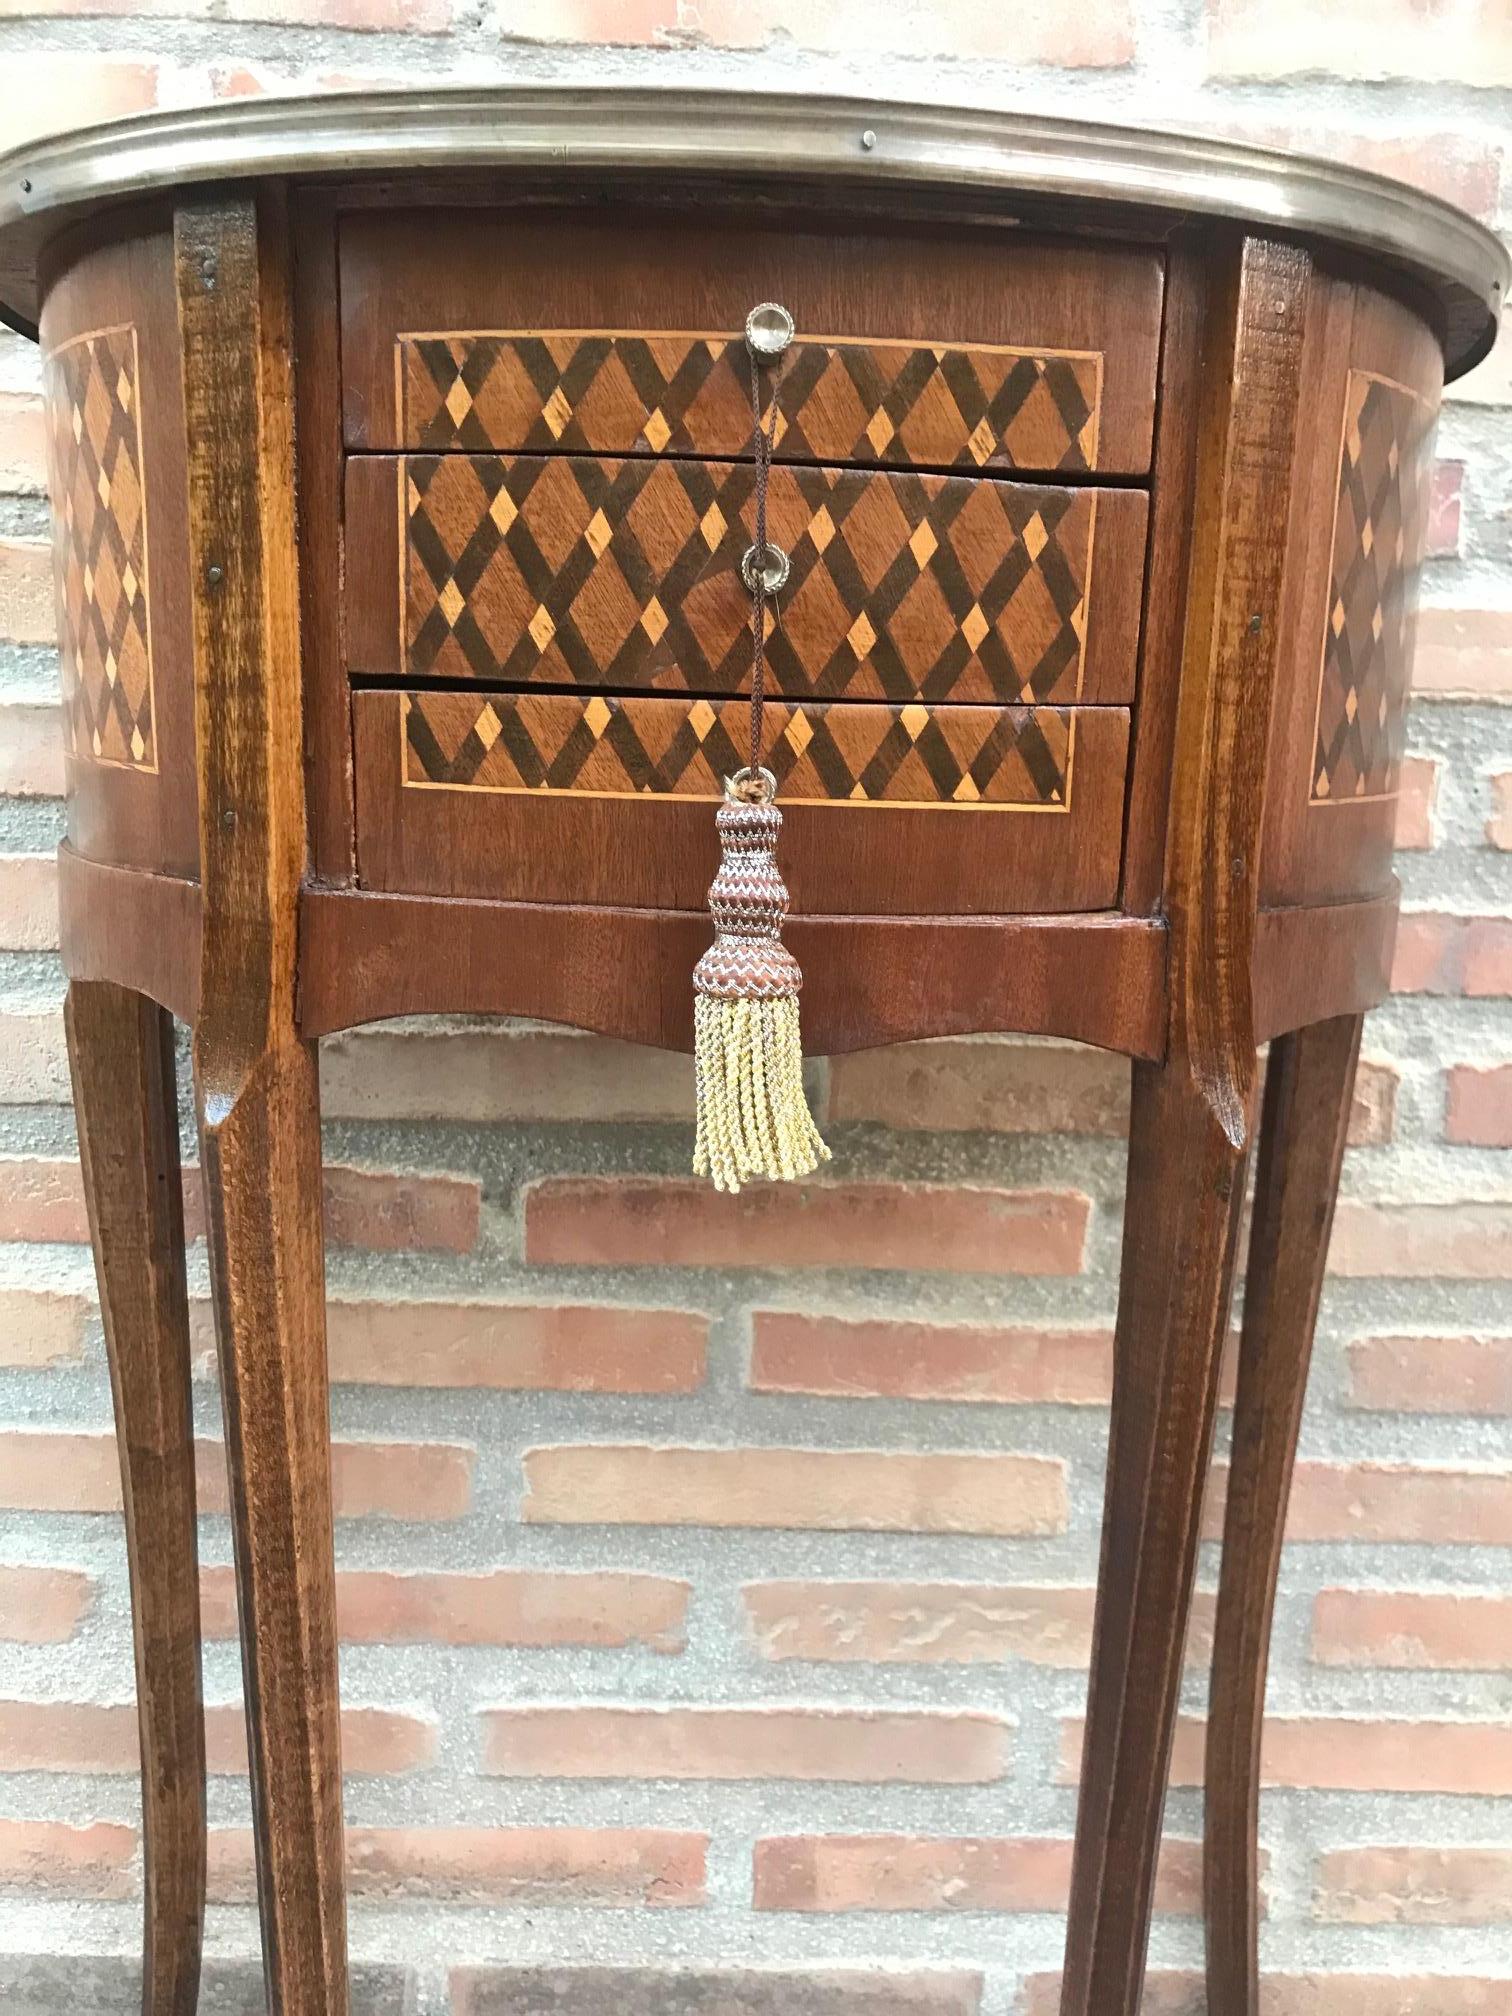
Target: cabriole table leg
x: 120, y: 1051
x: 1308, y: 1092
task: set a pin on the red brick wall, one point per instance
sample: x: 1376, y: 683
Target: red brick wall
x: 713, y: 1601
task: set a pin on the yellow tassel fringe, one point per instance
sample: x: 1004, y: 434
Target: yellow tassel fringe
x: 753, y: 1113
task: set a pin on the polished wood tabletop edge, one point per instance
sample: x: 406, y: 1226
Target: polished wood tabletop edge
x: 367, y: 957
x: 982, y: 155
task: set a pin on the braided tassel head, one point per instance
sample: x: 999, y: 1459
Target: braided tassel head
x: 753, y: 1113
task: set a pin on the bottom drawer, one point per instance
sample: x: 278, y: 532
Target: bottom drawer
x: 890, y: 811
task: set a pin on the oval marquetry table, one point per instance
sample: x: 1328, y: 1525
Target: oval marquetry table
x: 401, y: 474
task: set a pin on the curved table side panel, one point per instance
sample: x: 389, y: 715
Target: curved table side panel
x: 114, y: 412
x: 627, y: 973
x: 1357, y: 533
x: 366, y: 958
x: 1313, y: 964
x: 136, y: 929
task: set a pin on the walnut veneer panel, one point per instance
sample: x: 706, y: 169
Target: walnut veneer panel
x: 95, y: 470
x: 1355, y: 546
x: 688, y: 392
x: 115, y: 443
x: 942, y: 348
x: 906, y: 810
x: 572, y: 571
x: 1012, y: 758
x: 1379, y: 531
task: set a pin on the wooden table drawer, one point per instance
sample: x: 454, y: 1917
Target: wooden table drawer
x: 574, y: 332
x: 625, y: 573
x: 561, y: 797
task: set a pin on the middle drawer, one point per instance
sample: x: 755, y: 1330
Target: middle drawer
x: 624, y: 574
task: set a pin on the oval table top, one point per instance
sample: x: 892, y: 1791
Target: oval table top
x: 996, y: 164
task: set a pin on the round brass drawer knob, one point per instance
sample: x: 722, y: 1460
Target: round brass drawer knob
x: 773, y: 563
x: 769, y: 329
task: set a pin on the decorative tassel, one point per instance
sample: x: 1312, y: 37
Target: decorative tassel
x: 753, y: 1113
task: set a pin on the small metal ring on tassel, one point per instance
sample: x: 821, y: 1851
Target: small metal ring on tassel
x: 752, y: 787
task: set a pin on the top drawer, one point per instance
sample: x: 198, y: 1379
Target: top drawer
x: 524, y: 332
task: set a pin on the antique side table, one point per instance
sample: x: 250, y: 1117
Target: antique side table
x: 401, y: 474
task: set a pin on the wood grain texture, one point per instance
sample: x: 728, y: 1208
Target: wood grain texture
x: 1323, y: 842
x: 430, y: 272
x: 321, y: 528
x: 686, y: 392
x: 1094, y: 979
x: 868, y: 980
x: 256, y: 1081
x: 1190, y: 1123
x: 660, y: 852
x: 941, y: 588
x: 139, y: 813
x: 853, y: 755
x: 120, y: 1049
x: 1326, y: 960
x: 1173, y: 508
x: 140, y: 930
x: 1309, y: 1087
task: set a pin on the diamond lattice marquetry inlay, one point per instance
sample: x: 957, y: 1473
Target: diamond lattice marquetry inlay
x: 1380, y: 524
x: 100, y: 547
x: 1011, y: 759
x: 569, y: 571
x: 613, y: 392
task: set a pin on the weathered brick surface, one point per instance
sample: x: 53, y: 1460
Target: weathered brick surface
x: 43, y: 1606
x: 64, y: 1736
x: 857, y: 1747
x: 1410, y: 1628
x: 41, y: 1327
x: 888, y: 1872
x: 507, y: 1606
x: 569, y: 1348
x: 31, y: 750
x: 860, y: 1358
x: 533, y: 1867
x: 93, y: 1860
x: 42, y: 1198
x: 1414, y: 1886
x: 54, y: 1470
x: 1340, y: 1753
x: 28, y: 903
x: 841, y: 1490
x: 665, y: 1991
x: 1100, y: 37
x: 1431, y: 1375
x: 630, y: 1222
x: 734, y: 1559
x: 23, y: 448
x: 1469, y: 44
x: 934, y: 1623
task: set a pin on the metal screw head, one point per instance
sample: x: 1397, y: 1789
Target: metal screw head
x: 769, y: 329
x: 213, y: 575
x: 868, y: 140
x: 774, y: 564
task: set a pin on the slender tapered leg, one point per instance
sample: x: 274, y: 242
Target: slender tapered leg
x: 1185, y: 1197
x: 120, y: 1049
x: 1192, y: 1117
x: 261, y: 1155
x: 255, y: 1082
x: 1309, y: 1086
